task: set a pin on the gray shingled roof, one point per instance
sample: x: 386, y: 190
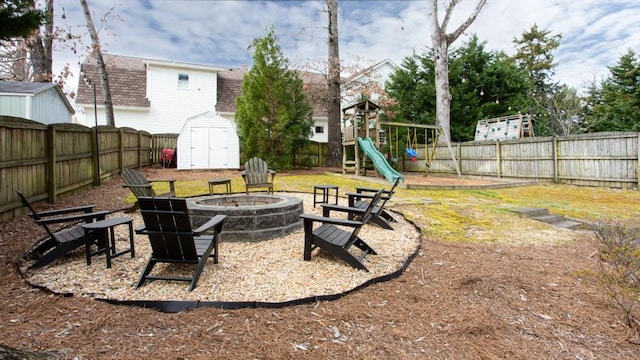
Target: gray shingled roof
x: 24, y: 87
x: 18, y: 87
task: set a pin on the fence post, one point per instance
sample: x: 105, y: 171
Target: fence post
x: 120, y: 149
x: 499, y: 158
x: 96, y: 157
x: 554, y: 150
x: 51, y: 163
x: 638, y: 165
x: 139, y: 148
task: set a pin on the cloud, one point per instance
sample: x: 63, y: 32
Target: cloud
x: 595, y: 33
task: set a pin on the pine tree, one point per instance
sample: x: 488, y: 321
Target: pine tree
x: 273, y: 116
x: 615, y: 106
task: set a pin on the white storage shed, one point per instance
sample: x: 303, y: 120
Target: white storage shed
x: 208, y: 141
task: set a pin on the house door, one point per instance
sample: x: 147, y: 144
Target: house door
x: 209, y: 148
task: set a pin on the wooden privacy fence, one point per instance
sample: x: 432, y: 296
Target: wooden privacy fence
x: 596, y: 159
x: 45, y: 161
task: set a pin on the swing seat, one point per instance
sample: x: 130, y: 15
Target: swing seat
x: 411, y: 152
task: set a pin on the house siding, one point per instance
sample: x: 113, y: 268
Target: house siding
x: 170, y: 105
x: 47, y: 108
x: 13, y: 106
x: 31, y: 101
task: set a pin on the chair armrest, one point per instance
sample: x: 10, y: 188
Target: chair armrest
x: 214, y: 221
x: 100, y: 215
x: 353, y: 197
x: 328, y: 220
x: 171, y: 182
x: 85, y: 209
x: 326, y: 209
x: 386, y: 195
x: 272, y: 172
x: 364, y: 189
x: 146, y: 186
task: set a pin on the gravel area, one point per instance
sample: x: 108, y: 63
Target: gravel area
x: 267, y: 271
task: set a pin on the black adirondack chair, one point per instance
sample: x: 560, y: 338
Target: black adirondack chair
x: 139, y: 185
x: 379, y: 216
x: 256, y: 174
x: 167, y: 223
x: 358, y: 203
x: 333, y: 238
x: 64, y: 230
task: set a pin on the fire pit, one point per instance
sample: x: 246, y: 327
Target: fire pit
x: 249, y: 217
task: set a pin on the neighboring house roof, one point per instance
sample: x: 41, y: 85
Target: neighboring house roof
x: 127, y: 81
x: 33, y: 88
x: 371, y: 69
x: 229, y: 88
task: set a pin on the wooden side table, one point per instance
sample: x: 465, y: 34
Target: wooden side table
x: 225, y: 182
x: 102, y: 234
x: 324, y: 192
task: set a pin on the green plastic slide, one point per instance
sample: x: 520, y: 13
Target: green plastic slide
x: 378, y: 160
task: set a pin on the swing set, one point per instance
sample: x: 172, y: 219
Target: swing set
x: 412, y: 149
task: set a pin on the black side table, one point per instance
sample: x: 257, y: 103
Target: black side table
x: 102, y: 234
x: 324, y: 192
x: 225, y: 182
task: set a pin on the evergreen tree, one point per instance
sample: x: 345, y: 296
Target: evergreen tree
x: 615, y: 105
x: 483, y: 85
x: 273, y: 116
x: 19, y: 18
x: 535, y: 55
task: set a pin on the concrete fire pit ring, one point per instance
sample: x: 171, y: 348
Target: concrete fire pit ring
x: 252, y: 217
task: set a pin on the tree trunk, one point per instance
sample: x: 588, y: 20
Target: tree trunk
x: 41, y: 49
x: 441, y: 42
x: 443, y: 97
x: 102, y: 70
x: 334, y: 155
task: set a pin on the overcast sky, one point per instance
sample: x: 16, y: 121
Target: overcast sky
x: 595, y: 33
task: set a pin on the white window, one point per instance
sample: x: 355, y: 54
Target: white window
x: 183, y: 81
x: 319, y: 129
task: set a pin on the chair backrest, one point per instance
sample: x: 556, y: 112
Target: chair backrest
x: 168, y: 226
x: 389, y: 193
x: 135, y: 177
x: 366, y: 216
x: 256, y: 171
x: 34, y: 214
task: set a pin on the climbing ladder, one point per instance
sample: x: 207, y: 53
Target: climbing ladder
x: 504, y: 128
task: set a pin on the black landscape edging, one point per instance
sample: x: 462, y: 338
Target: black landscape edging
x: 175, y: 306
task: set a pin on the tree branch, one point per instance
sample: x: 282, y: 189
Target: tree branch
x: 454, y: 35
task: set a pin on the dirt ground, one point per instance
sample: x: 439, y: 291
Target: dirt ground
x: 455, y: 301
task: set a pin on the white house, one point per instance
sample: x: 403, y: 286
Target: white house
x: 151, y: 95
x: 157, y: 96
x: 41, y: 102
x: 368, y: 82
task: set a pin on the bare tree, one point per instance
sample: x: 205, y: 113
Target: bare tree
x: 41, y: 48
x: 102, y: 69
x: 441, y: 42
x: 334, y: 155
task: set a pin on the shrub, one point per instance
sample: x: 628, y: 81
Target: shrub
x: 619, y: 268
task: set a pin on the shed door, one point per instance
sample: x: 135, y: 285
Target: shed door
x: 209, y: 148
x: 218, y: 144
